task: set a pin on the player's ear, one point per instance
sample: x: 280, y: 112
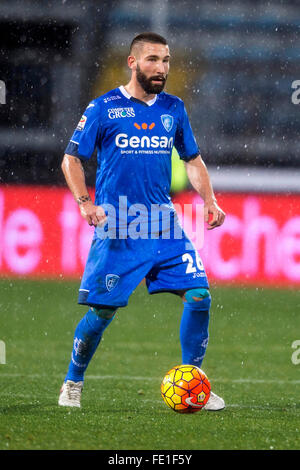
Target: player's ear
x: 131, y: 62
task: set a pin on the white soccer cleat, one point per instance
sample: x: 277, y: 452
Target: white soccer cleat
x: 214, y: 403
x: 70, y: 394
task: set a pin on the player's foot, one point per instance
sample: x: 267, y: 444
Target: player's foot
x: 70, y: 394
x: 214, y: 403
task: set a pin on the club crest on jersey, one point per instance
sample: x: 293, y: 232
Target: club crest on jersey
x: 111, y: 281
x: 167, y: 121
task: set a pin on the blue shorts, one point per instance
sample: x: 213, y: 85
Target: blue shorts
x: 115, y: 267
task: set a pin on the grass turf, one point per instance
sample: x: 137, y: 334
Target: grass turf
x: 248, y: 362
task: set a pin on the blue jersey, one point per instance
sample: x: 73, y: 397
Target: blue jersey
x: 134, y: 142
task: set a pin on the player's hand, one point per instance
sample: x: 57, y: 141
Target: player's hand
x: 213, y: 215
x: 94, y: 215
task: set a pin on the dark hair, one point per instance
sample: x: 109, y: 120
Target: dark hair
x: 148, y: 37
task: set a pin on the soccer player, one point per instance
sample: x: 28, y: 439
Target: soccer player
x: 134, y: 128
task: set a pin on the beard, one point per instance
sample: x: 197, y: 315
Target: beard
x: 146, y: 83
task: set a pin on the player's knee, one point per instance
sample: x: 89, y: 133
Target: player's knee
x: 199, y: 298
x: 105, y: 313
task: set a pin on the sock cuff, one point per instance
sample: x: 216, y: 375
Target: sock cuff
x: 199, y: 305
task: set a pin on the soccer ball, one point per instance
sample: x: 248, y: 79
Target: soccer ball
x: 185, y: 389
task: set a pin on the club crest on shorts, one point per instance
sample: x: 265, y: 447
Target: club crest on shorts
x: 167, y: 121
x: 111, y: 281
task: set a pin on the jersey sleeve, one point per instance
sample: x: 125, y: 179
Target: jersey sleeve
x: 185, y: 142
x: 83, y: 141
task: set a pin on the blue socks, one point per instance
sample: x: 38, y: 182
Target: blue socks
x: 193, y: 334
x: 194, y: 327
x: 87, y: 337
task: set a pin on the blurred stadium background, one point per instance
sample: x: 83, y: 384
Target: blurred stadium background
x: 234, y: 64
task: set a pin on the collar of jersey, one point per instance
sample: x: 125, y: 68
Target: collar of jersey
x: 127, y: 95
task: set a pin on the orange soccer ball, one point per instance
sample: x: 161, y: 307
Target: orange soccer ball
x: 185, y: 389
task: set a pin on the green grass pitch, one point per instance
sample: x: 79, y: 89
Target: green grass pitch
x: 248, y: 362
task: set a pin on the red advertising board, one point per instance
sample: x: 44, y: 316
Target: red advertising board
x: 259, y: 242
x: 43, y: 235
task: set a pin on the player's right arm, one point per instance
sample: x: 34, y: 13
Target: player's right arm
x: 75, y: 178
x: 80, y: 148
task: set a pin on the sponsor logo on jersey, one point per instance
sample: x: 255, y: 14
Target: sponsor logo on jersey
x: 124, y: 141
x: 144, y: 126
x: 115, y: 113
x: 111, y: 280
x: 81, y: 124
x: 167, y: 121
x: 111, y: 98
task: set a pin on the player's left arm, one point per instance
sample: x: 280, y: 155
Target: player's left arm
x: 200, y: 180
